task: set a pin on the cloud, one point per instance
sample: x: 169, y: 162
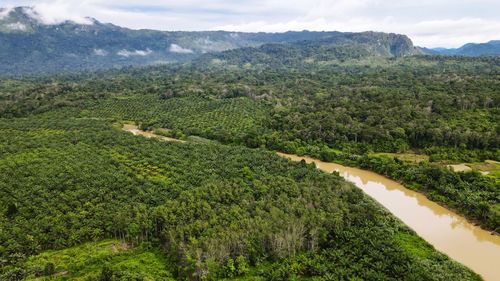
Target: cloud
x: 100, y: 52
x: 455, y: 32
x: 174, y: 48
x: 429, y: 23
x: 141, y: 53
x: 5, y: 12
x: 17, y: 26
x: 432, y: 33
x: 57, y: 13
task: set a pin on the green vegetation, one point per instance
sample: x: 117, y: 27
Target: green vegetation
x: 70, y: 47
x: 489, y: 168
x: 491, y: 48
x: 446, y: 108
x: 215, y: 211
x: 225, y: 120
x: 414, y: 245
x: 470, y: 193
x: 408, y: 157
x: 72, y: 183
x: 99, y: 260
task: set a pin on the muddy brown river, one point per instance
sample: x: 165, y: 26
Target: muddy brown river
x: 447, y: 231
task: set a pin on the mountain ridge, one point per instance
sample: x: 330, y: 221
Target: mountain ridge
x: 32, y: 46
x: 490, y: 48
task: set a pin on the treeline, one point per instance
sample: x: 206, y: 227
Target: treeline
x: 386, y: 105
x: 470, y: 193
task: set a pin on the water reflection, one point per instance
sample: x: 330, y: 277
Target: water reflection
x: 444, y: 229
x: 447, y: 231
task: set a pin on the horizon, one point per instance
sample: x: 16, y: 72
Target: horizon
x: 446, y: 25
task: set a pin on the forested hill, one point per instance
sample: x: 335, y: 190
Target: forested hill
x: 31, y: 46
x: 81, y: 199
x: 491, y: 48
x: 336, y: 48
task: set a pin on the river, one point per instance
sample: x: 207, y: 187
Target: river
x: 447, y: 231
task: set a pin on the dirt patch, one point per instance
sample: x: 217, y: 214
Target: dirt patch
x: 460, y: 168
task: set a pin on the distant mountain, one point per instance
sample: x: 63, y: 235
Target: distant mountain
x: 491, y: 48
x: 373, y: 43
x: 338, y: 47
x: 30, y: 46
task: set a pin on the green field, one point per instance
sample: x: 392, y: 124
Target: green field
x: 95, y: 260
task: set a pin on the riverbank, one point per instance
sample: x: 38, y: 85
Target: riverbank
x: 445, y: 230
x: 471, y: 194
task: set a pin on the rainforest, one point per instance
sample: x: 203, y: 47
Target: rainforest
x: 205, y: 196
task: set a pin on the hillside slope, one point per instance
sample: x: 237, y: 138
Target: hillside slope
x: 339, y: 47
x: 491, y: 48
x: 30, y: 46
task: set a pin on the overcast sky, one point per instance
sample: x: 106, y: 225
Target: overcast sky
x: 429, y: 23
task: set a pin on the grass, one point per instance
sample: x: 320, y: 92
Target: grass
x: 415, y: 245
x: 488, y: 168
x: 86, y: 262
x: 407, y: 157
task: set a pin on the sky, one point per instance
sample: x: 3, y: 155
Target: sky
x: 429, y: 23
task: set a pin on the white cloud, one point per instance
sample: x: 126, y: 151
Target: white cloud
x: 142, y: 53
x: 17, y: 26
x: 455, y: 32
x: 5, y: 12
x: 100, y: 52
x: 174, y: 48
x: 429, y: 23
x: 50, y: 14
x: 433, y: 33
